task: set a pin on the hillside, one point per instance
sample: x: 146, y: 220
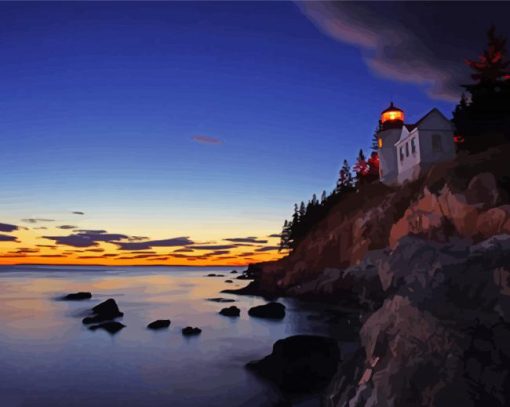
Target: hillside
x: 427, y: 267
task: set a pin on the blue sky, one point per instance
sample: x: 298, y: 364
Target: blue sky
x: 101, y: 102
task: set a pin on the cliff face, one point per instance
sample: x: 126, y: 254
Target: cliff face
x: 466, y: 198
x: 429, y: 263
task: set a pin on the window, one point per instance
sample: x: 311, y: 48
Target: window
x: 407, y: 149
x: 413, y: 145
x: 379, y: 142
x: 436, y: 143
x: 401, y: 153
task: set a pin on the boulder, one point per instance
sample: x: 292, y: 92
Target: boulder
x: 272, y: 310
x: 78, y: 296
x: 232, y: 311
x: 111, y: 327
x: 159, y: 324
x: 189, y: 331
x: 105, y: 311
x: 300, y: 364
x: 234, y: 272
x: 228, y: 281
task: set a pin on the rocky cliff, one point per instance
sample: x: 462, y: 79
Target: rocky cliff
x: 429, y: 266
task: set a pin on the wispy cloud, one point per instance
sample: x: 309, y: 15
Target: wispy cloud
x: 8, y: 238
x: 86, y: 239
x: 6, y: 227
x: 206, y: 140
x: 172, y: 242
x: 78, y: 213
x: 37, y: 220
x: 66, y: 227
x: 249, y: 239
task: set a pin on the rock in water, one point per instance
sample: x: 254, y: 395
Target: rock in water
x: 159, y: 324
x: 233, y: 272
x: 232, y: 311
x: 228, y: 281
x: 104, y: 311
x: 221, y: 299
x: 78, y: 296
x: 191, y: 331
x: 111, y: 327
x: 272, y: 310
x: 300, y: 364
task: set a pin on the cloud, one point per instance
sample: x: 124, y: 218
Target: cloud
x: 267, y: 249
x: 415, y: 42
x: 36, y: 220
x: 215, y: 247
x: 175, y: 241
x: 277, y: 235
x: 249, y: 239
x: 183, y: 250
x: 5, y: 227
x: 206, y: 140
x: 86, y: 239
x: 78, y: 213
x: 8, y: 238
x: 66, y: 227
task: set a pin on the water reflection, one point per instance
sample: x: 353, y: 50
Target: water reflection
x: 51, y: 358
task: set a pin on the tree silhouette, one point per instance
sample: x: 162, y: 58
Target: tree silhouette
x: 361, y: 168
x: 483, y: 119
x: 345, y: 181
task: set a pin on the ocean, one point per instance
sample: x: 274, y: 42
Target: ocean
x: 49, y: 358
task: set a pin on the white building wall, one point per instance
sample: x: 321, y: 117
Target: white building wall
x: 433, y: 128
x: 388, y: 169
x: 408, y: 157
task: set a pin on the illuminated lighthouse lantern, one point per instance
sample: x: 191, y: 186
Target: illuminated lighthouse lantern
x: 407, y: 150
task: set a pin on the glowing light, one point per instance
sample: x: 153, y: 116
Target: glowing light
x: 392, y: 115
x: 379, y: 142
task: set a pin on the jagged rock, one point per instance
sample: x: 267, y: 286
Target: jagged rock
x: 234, y: 272
x: 189, y: 331
x: 77, y: 296
x: 232, y: 311
x: 300, y: 364
x: 159, y: 324
x: 221, y: 299
x: 105, y: 311
x: 272, y: 310
x: 111, y: 327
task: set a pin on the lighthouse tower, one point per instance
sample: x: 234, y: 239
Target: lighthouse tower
x: 390, y: 129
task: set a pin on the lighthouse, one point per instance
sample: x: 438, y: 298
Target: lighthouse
x: 390, y: 129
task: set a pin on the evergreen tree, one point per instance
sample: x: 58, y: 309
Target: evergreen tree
x: 324, y: 197
x: 361, y: 167
x: 302, y: 211
x: 373, y: 167
x: 484, y: 120
x: 375, y: 142
x: 345, y: 181
x: 284, y: 236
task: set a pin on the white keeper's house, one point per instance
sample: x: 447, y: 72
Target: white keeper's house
x: 407, y: 150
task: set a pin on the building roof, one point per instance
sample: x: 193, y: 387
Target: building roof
x: 392, y: 108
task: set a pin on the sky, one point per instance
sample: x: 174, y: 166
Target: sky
x: 183, y: 133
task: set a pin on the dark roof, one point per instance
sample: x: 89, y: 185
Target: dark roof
x: 391, y: 108
x: 410, y: 127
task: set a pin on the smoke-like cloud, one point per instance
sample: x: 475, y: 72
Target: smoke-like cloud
x: 8, y: 238
x: 249, y: 239
x: 37, y: 220
x: 6, y: 227
x: 78, y: 213
x: 86, y: 239
x: 416, y: 42
x: 66, y: 227
x: 175, y: 241
x: 206, y: 140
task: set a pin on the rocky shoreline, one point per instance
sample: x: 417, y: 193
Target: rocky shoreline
x: 432, y: 288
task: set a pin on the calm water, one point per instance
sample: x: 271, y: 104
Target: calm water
x: 49, y: 358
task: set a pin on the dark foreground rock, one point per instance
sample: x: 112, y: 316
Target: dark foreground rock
x: 300, y: 364
x: 232, y: 311
x: 272, y: 310
x: 189, y: 331
x: 159, y: 324
x: 105, y: 311
x: 228, y: 281
x: 111, y: 327
x: 221, y: 299
x: 233, y: 272
x: 77, y: 296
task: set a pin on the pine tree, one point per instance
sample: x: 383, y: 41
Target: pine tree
x: 285, y: 235
x: 302, y: 211
x: 373, y: 167
x: 324, y: 197
x: 361, y: 167
x: 375, y: 142
x: 484, y: 120
x: 345, y: 181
